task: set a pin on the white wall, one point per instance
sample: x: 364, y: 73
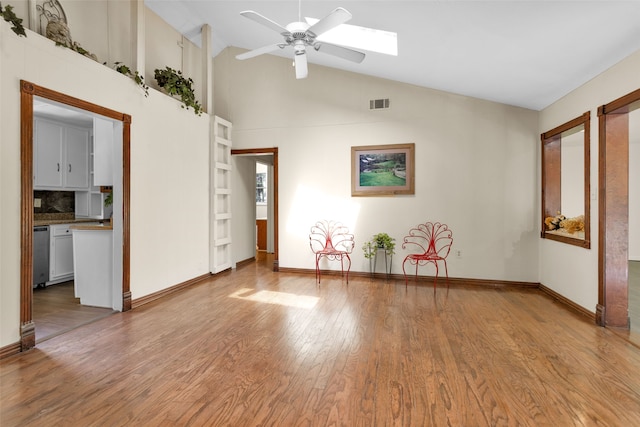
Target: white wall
x: 99, y: 26
x: 476, y: 161
x: 169, y: 169
x: 569, y: 270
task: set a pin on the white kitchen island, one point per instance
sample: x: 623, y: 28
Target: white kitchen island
x: 93, y: 264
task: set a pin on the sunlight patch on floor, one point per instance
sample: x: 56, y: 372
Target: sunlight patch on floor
x: 281, y: 298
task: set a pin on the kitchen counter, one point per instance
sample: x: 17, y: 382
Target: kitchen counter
x: 59, y: 218
x: 93, y: 227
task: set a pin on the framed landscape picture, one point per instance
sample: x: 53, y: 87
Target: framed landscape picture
x: 382, y: 170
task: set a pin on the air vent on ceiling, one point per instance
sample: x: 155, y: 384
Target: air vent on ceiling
x: 377, y: 104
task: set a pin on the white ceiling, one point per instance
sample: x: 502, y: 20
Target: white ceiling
x: 522, y: 53
x: 53, y: 110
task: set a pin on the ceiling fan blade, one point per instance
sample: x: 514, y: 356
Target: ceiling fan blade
x: 361, y: 38
x: 255, y: 16
x: 340, y: 52
x: 261, y: 50
x: 335, y: 18
x: 301, y: 65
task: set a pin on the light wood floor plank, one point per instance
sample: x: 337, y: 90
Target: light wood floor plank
x: 234, y: 351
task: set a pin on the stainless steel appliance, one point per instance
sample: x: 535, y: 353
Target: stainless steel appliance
x: 40, y: 255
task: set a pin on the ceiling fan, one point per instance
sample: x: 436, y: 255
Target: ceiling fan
x: 301, y: 35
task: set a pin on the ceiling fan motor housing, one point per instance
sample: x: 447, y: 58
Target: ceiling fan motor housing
x: 298, y: 33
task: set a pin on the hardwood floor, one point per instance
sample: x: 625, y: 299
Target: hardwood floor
x: 56, y: 311
x: 253, y: 347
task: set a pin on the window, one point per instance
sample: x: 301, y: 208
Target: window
x: 261, y: 183
x: 565, y: 183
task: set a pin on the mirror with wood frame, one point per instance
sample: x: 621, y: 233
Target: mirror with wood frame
x: 565, y: 183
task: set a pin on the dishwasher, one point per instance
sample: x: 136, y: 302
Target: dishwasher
x: 40, y: 256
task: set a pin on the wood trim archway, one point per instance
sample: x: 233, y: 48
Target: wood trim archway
x: 273, y: 151
x: 613, y: 234
x: 27, y: 91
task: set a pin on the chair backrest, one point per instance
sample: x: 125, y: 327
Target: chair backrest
x: 330, y: 235
x: 431, y: 238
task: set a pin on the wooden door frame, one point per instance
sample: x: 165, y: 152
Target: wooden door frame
x: 27, y: 91
x: 273, y: 151
x: 613, y: 234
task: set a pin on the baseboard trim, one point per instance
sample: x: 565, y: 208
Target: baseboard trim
x: 247, y: 261
x: 600, y: 315
x: 10, y: 350
x: 168, y: 291
x: 456, y: 281
x: 421, y: 281
x: 568, y: 303
x: 27, y: 335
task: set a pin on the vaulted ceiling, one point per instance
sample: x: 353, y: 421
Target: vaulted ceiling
x: 522, y: 53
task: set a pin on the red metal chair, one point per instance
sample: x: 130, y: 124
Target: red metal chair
x: 434, y: 241
x: 332, y: 240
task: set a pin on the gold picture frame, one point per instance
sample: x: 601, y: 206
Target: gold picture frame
x: 383, y: 170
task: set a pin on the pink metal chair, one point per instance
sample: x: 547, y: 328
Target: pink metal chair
x: 332, y: 240
x: 433, y: 240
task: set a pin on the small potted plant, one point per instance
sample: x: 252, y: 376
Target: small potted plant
x: 379, y: 241
x: 108, y: 201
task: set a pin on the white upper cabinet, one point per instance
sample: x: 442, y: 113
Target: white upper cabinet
x: 47, y: 154
x: 61, y: 156
x: 103, y: 136
x: 77, y: 166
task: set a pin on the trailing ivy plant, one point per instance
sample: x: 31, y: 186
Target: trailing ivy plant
x: 379, y: 241
x: 16, y: 23
x: 124, y: 69
x: 77, y: 48
x: 174, y: 83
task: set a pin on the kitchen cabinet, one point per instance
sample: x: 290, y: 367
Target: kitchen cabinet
x: 77, y: 158
x: 60, y: 156
x: 103, y: 138
x: 93, y: 260
x: 47, y: 154
x: 61, y: 265
x: 90, y: 204
x: 60, y: 254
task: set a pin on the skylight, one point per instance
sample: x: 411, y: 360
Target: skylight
x: 360, y: 38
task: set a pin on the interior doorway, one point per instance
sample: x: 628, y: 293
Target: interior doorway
x: 264, y: 204
x: 268, y: 157
x: 121, y: 200
x: 616, y: 233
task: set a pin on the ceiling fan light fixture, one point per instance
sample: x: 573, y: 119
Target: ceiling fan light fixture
x: 299, y: 47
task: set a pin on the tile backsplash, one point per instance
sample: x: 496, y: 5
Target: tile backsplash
x: 55, y: 201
